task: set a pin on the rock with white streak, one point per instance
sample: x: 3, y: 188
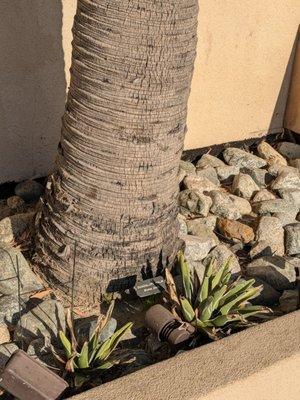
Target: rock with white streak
x: 270, y: 230
x: 207, y: 160
x: 292, y: 239
x: 243, y: 185
x: 242, y: 158
x: 286, y: 180
x: 289, y: 150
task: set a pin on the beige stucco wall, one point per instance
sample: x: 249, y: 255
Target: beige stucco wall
x: 239, y: 87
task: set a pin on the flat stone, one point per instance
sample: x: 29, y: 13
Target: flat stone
x: 44, y: 320
x: 29, y: 282
x: 270, y: 230
x: 243, y: 185
x: 29, y: 191
x: 12, y: 227
x: 242, y: 158
x: 227, y: 171
x: 269, y: 154
x: 290, y: 195
x: 272, y: 206
x: 289, y: 150
x: 15, y: 203
x: 194, y: 225
x: 260, y: 176
x: 195, y: 201
x: 275, y: 270
x: 6, y: 351
x: 286, y: 180
x: 199, y: 183
x: 221, y: 254
x: 289, y: 301
x: 209, y: 173
x: 235, y: 230
x: 183, y: 230
x: 268, y: 296
x: 292, y: 239
x: 287, y: 218
x: 260, y: 249
x: 207, y: 160
x: 225, y: 205
x: 263, y: 195
x: 197, y: 247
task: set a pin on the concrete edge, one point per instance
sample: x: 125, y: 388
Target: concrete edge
x: 197, y: 373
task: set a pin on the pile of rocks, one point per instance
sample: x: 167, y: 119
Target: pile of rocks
x: 245, y: 205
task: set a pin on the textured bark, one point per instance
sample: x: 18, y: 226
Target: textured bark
x: 115, y: 187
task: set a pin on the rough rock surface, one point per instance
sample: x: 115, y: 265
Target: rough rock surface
x: 269, y: 154
x: 242, y: 158
x: 194, y: 225
x: 183, y: 230
x: 227, y: 171
x: 29, y: 190
x: 286, y: 180
x: 194, y: 201
x: 228, y: 206
x: 12, y: 227
x: 207, y: 160
x: 272, y: 206
x: 270, y: 231
x: 291, y: 195
x: 221, y: 254
x: 200, y: 183
x: 292, y: 239
x: 243, y: 185
x: 235, y: 230
x: 197, y: 247
x: 289, y: 301
x: 209, y: 173
x: 289, y: 150
x: 263, y: 195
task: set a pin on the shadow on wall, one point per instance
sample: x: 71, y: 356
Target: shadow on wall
x: 33, y: 86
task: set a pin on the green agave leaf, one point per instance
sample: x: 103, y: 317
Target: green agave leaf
x: 66, y: 344
x: 236, y: 290
x: 222, y: 320
x: 186, y: 277
x: 105, y: 365
x: 217, y: 279
x: 209, y: 268
x: 80, y: 379
x: 249, y: 294
x: 218, y: 295
x: 187, y: 309
x: 204, y: 289
x: 226, y: 278
x: 83, y: 357
x: 202, y: 327
x: 206, y: 309
x: 253, y: 310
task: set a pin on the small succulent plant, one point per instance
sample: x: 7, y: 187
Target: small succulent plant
x: 84, y: 361
x: 216, y: 305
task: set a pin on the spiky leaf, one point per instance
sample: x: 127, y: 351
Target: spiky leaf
x: 66, y: 344
x: 83, y: 357
x: 186, y: 277
x: 187, y: 309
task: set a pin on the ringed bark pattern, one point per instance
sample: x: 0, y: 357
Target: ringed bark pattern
x: 114, y: 189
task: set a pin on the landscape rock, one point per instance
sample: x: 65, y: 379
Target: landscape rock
x: 270, y: 230
x: 5, y: 211
x: 295, y: 163
x: 44, y: 320
x: 222, y: 254
x: 291, y: 195
x: 269, y: 154
x: 260, y: 249
x: 209, y: 173
x: 10, y: 309
x: 40, y: 350
x: 195, y: 201
x: 197, y: 247
x: 275, y: 270
x: 263, y: 195
x: 268, y: 296
x: 15, y: 203
x: 29, y: 282
x: 242, y: 158
x: 228, y: 206
x: 12, y: 227
x: 292, y: 239
x: 183, y: 230
x: 289, y: 150
x: 287, y: 218
x: 187, y: 166
x: 6, y: 351
x: 243, y: 185
x: 235, y: 230
x: 260, y: 176
x: 286, y: 180
x: 289, y: 301
x: 199, y: 183
x: 4, y: 334
x: 272, y: 206
x: 29, y: 191
x: 194, y: 225
x: 227, y: 171
x: 207, y: 160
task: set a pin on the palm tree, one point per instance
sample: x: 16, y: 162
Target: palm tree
x: 115, y: 185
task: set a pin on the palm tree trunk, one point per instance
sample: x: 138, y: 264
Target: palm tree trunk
x: 114, y: 191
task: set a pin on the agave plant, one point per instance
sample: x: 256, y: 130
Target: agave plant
x: 84, y: 361
x: 217, y: 304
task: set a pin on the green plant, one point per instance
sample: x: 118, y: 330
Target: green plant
x: 217, y: 304
x: 84, y: 361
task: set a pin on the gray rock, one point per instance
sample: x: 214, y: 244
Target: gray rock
x: 185, y: 168
x: 228, y: 206
x: 221, y: 254
x: 289, y: 150
x: 260, y: 176
x: 29, y: 282
x: 227, y: 171
x: 270, y: 230
x: 261, y: 249
x: 207, y: 160
x: 15, y: 203
x: 195, y: 201
x: 44, y: 320
x: 242, y: 158
x: 272, y: 206
x: 40, y: 350
x: 290, y: 195
x: 4, y: 334
x: 29, y: 191
x: 286, y: 218
x: 209, y: 173
x: 295, y: 163
x: 199, y: 183
x: 263, y: 195
x: 243, y: 185
x: 286, y: 180
x: 289, y: 301
x: 12, y: 227
x: 269, y: 154
x: 292, y: 239
x: 194, y: 225
x: 268, y: 296
x: 275, y: 270
x: 6, y: 351
x: 10, y: 310
x: 197, y: 247
x: 183, y: 230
